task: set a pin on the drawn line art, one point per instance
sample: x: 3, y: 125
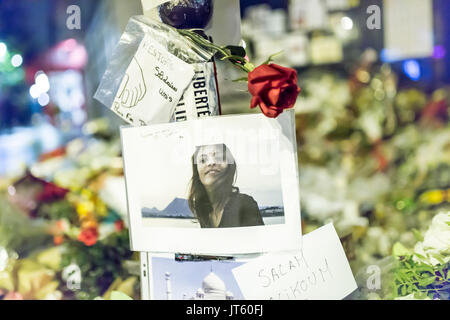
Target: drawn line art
x: 132, y: 90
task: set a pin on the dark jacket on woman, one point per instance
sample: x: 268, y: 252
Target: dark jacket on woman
x: 241, y: 210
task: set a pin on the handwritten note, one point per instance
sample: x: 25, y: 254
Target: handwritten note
x: 319, y: 271
x: 152, y: 85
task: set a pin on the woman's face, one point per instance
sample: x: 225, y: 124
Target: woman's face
x: 211, y: 164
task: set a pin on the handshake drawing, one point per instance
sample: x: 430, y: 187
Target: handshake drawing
x: 132, y: 89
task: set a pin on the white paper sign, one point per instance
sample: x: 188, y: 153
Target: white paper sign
x: 201, y: 98
x: 152, y: 85
x: 408, y: 29
x: 319, y: 271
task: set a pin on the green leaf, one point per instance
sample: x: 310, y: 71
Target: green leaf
x: 420, y: 256
x: 400, y: 250
x: 425, y: 268
x: 438, y: 257
x: 427, y: 281
x: 237, y: 51
x: 403, y: 290
x: 117, y: 295
x: 409, y: 289
x: 417, y: 235
x: 417, y: 295
x: 243, y: 79
x: 270, y: 58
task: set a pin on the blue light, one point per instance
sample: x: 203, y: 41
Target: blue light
x: 412, y: 69
x: 384, y: 55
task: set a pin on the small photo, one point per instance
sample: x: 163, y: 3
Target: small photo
x: 192, y: 184
x: 193, y: 280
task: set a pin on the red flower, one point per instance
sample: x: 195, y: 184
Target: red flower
x: 57, y: 240
x: 119, y: 225
x: 51, y: 192
x: 88, y: 236
x: 274, y: 88
x: 435, y: 111
x: 379, y: 156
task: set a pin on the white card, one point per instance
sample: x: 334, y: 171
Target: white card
x: 160, y: 165
x: 152, y: 85
x: 319, y: 271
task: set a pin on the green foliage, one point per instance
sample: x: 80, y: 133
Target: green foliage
x: 421, y: 279
x: 58, y: 210
x: 417, y: 235
x: 271, y: 57
x: 400, y: 250
x: 100, y: 264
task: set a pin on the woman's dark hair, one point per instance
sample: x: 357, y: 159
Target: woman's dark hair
x: 198, y: 199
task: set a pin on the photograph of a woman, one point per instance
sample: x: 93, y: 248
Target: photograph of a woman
x: 213, y: 199
x: 213, y: 186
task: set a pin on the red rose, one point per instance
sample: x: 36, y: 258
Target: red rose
x: 88, y: 236
x: 274, y: 88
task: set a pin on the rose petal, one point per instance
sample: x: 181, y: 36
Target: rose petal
x: 288, y: 97
x: 289, y: 72
x: 273, y: 95
x: 254, y: 102
x: 256, y: 87
x: 264, y: 74
x: 263, y: 71
x: 271, y: 112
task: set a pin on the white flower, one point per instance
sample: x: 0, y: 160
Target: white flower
x: 436, y: 241
x: 438, y: 235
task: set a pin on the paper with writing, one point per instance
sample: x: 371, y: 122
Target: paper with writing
x: 319, y: 271
x: 200, y: 99
x: 152, y: 85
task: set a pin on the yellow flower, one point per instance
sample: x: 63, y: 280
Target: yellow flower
x: 432, y: 197
x: 85, y: 208
x: 101, y: 209
x: 89, y: 223
x: 86, y: 194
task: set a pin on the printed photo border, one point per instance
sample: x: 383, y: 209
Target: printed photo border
x: 217, y: 241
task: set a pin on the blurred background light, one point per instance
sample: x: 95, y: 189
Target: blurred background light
x: 347, y: 23
x: 16, y: 60
x: 34, y: 91
x: 439, y: 52
x: 43, y: 83
x: 3, y: 50
x: 44, y: 99
x: 412, y: 69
